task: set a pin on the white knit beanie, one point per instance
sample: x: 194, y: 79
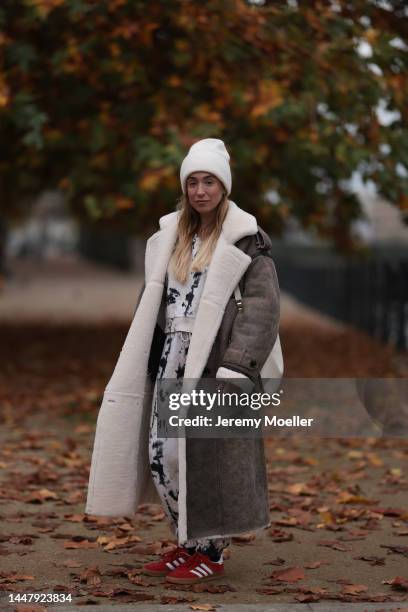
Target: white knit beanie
x: 207, y: 155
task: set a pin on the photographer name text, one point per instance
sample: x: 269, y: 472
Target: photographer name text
x: 266, y: 421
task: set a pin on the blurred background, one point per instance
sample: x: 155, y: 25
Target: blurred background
x: 99, y: 103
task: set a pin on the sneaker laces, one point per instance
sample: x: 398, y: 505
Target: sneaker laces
x: 172, y: 553
x: 199, y: 557
x: 193, y: 560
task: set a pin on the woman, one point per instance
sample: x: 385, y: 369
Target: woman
x: 186, y: 325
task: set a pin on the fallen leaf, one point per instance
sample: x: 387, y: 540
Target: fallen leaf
x: 290, y: 574
x: 398, y: 583
x: 300, y: 488
x: 375, y: 460
x: 15, y: 577
x: 159, y: 516
x: 278, y: 535
x: 277, y: 561
x: 173, y: 599
x: 37, y: 497
x: 401, y: 550
x: 140, y: 581
x: 91, y: 576
x: 349, y: 498
x: 244, y: 539
x: 169, y: 599
x: 306, y: 597
x: 316, y: 564
x: 129, y: 595
x: 334, y: 544
x: 354, y: 589
x: 269, y: 590
x: 112, y: 542
x: 126, y: 527
x: 87, y: 601
x: 354, y: 454
x: 372, y: 560
x: 400, y: 512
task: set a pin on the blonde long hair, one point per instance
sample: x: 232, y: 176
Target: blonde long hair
x: 188, y: 224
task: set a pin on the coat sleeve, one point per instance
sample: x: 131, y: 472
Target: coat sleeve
x: 256, y: 326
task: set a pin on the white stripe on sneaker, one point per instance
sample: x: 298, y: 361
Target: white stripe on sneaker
x: 181, y: 560
x: 170, y: 565
x: 196, y: 573
x: 203, y: 565
x: 176, y: 563
x: 201, y: 570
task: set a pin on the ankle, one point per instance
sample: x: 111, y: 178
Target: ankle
x: 213, y: 556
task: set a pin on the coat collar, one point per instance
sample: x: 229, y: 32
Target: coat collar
x: 237, y: 223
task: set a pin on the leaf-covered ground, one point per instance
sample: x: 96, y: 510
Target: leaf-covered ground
x: 339, y: 511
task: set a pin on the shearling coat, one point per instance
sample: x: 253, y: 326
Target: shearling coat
x: 231, y: 472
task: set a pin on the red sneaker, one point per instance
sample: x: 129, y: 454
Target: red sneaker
x: 168, y: 562
x: 198, y: 568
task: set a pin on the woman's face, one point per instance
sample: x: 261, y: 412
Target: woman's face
x: 204, y: 192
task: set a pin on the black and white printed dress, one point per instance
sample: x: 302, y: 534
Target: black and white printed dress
x: 182, y: 302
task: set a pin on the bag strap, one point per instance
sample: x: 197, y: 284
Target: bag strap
x: 238, y: 297
x: 261, y: 250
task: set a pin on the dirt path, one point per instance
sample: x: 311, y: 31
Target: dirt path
x: 339, y: 511
x: 337, y: 506
x: 75, y: 290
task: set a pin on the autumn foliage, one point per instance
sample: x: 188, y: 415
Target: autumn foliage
x: 102, y: 98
